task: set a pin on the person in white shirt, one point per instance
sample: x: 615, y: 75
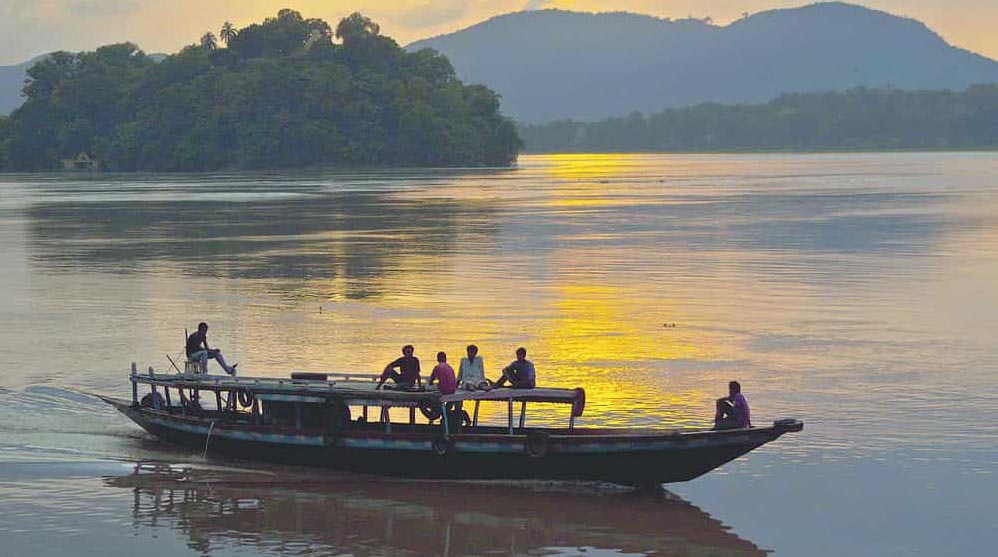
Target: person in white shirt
x: 471, y: 373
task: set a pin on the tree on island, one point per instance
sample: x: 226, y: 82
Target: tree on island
x: 286, y: 92
x: 356, y: 28
x: 208, y: 41
x: 227, y: 33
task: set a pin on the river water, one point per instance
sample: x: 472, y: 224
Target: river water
x: 856, y: 292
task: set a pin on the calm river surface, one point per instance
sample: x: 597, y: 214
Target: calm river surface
x: 856, y: 292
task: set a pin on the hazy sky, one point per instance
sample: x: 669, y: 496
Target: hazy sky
x: 32, y: 27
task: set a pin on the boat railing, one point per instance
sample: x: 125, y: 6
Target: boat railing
x: 575, y: 397
x: 333, y: 379
x: 354, y: 389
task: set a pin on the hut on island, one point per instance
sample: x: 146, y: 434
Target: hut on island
x: 83, y: 161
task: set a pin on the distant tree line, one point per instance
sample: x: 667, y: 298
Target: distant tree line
x: 859, y: 119
x: 286, y: 92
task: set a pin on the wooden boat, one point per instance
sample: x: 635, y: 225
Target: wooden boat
x: 308, y: 420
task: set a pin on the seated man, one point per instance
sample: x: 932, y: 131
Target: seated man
x: 520, y: 373
x: 408, y: 374
x: 471, y: 373
x: 445, y: 374
x: 732, y: 410
x: 198, y: 350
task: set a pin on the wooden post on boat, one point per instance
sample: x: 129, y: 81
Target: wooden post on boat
x: 412, y: 415
x: 510, y: 415
x: 218, y: 401
x: 523, y: 413
x: 155, y: 399
x: 444, y: 420
x: 475, y: 421
x: 135, y: 384
x: 169, y: 404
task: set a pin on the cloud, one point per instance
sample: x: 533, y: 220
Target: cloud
x: 57, y: 9
x: 18, y: 9
x: 537, y: 5
x: 100, y: 8
x: 431, y: 14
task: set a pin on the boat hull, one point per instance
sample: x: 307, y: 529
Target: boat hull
x: 629, y: 459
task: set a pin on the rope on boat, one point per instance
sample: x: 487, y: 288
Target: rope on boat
x: 208, y: 438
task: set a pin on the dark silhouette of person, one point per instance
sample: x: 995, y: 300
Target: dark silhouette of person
x: 198, y: 350
x: 407, y: 375
x: 520, y: 373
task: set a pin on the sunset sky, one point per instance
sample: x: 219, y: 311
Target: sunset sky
x: 32, y: 27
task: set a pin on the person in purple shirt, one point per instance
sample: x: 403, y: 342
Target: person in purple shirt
x: 733, y: 410
x: 444, y: 374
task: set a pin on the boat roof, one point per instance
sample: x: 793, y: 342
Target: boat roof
x: 356, y: 389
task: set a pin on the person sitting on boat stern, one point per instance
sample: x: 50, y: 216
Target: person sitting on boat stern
x: 198, y: 350
x: 444, y: 374
x: 407, y: 375
x: 520, y: 373
x: 732, y: 410
x: 471, y: 373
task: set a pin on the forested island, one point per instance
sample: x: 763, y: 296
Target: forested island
x: 287, y: 92
x: 859, y: 119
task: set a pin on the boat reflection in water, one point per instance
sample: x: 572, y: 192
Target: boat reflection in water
x: 221, y: 509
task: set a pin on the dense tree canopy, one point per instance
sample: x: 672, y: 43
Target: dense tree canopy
x: 859, y: 119
x: 283, y: 93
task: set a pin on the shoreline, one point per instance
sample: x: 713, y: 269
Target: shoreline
x: 511, y: 167
x: 767, y: 152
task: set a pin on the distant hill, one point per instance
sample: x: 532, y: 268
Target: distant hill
x: 856, y: 120
x: 553, y: 64
x: 11, y: 81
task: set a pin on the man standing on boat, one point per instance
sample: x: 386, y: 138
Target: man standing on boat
x: 198, y: 350
x: 733, y: 410
x: 407, y: 375
x: 520, y: 373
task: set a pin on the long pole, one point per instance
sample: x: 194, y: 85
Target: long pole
x: 173, y: 364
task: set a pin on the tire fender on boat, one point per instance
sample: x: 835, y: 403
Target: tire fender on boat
x: 441, y: 446
x: 245, y: 397
x: 153, y: 400
x: 430, y: 409
x: 536, y: 444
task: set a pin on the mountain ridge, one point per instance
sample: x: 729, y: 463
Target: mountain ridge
x: 555, y: 64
